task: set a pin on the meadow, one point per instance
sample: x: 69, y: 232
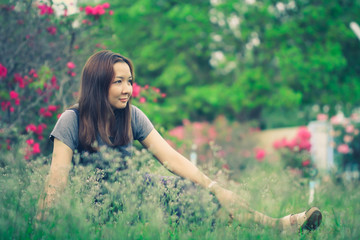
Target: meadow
x: 127, y: 205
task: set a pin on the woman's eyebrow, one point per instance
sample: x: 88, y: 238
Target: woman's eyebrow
x: 123, y: 77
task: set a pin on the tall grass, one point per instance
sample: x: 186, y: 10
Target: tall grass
x: 141, y: 203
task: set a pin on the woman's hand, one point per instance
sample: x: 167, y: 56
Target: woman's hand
x: 232, y: 202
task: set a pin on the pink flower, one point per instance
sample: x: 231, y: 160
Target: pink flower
x: 142, y: 100
x: 304, y: 144
x: 106, y: 5
x: 36, y: 148
x: 260, y: 154
x: 291, y: 144
x: 52, y: 108
x: 178, y: 132
x: 212, y: 133
x: 98, y: 10
x: 30, y: 141
x: 280, y: 143
x: 305, y: 163
x: 303, y: 133
x: 111, y: 12
x: 89, y: 10
x: 17, y: 102
x: 335, y: 120
x: 163, y: 95
x: 3, y: 71
x: 350, y: 128
x: 73, y: 74
x: 348, y: 138
x: 186, y: 122
x: 136, y: 90
x: 45, y: 9
x: 322, y: 117
x: 31, y: 127
x: 40, y: 128
x: 18, y: 78
x: 70, y: 65
x: 13, y: 95
x: 343, y: 148
x: 51, y: 30
x: 5, y: 105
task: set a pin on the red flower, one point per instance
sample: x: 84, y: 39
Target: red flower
x: 45, y: 9
x: 3, y: 71
x: 142, y: 100
x: 30, y: 141
x: 20, y: 80
x: 136, y: 90
x: 305, y: 163
x: 13, y: 95
x: 52, y: 30
x: 260, y: 154
x: 98, y: 10
x: 36, y: 148
x: 5, y: 105
x: 111, y: 12
x: 89, y: 10
x: 52, y: 108
x: 70, y: 65
x: 31, y: 127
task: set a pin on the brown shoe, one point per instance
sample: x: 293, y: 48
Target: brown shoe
x: 308, y: 220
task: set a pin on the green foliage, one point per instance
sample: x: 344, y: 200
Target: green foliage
x: 127, y: 206
x: 276, y: 55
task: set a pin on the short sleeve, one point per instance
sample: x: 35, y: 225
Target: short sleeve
x: 140, y: 123
x: 66, y: 129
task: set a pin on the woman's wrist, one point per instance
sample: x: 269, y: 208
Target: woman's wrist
x: 213, y: 186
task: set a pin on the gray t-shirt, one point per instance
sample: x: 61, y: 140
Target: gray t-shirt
x: 67, y: 130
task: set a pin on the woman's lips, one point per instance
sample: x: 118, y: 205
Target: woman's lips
x: 123, y: 99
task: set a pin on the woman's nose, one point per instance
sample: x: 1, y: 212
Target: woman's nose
x: 127, y: 88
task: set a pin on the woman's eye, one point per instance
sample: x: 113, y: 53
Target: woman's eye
x: 118, y: 81
x: 131, y: 82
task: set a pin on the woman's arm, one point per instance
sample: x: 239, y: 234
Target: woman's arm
x: 58, y: 175
x: 181, y: 166
x: 173, y: 160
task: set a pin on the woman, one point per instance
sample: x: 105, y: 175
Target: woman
x: 105, y: 116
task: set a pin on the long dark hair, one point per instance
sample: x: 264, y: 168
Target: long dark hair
x: 96, y: 114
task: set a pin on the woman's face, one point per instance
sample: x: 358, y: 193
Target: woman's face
x: 121, y: 86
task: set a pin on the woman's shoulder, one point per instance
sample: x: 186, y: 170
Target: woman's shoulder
x: 136, y: 112
x: 69, y: 115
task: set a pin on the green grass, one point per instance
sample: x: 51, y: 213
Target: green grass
x: 125, y: 207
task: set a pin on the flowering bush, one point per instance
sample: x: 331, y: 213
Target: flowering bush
x: 295, y: 152
x: 37, y: 68
x: 224, y: 145
x: 346, y: 139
